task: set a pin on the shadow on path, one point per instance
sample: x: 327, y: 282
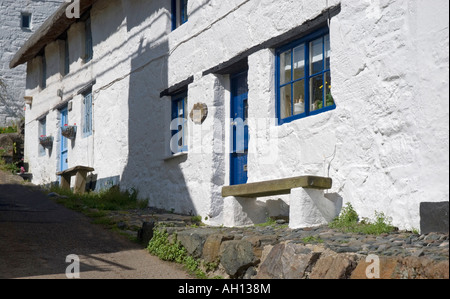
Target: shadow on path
x: 36, y: 236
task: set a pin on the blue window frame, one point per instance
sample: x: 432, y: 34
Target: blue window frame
x: 179, y: 13
x: 42, y: 132
x: 87, y: 110
x: 303, y: 80
x: 178, y: 126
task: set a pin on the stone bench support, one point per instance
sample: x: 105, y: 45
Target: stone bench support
x: 308, y: 205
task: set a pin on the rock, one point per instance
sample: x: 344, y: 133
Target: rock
x: 334, y: 266
x: 434, y: 217
x: 211, y: 248
x: 194, y: 240
x: 121, y: 225
x: 287, y: 261
x: 53, y: 194
x: 383, y: 268
x: 145, y: 234
x: 250, y: 273
x: 236, y: 257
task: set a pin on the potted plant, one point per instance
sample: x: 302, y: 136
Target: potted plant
x: 46, y: 141
x: 69, y: 132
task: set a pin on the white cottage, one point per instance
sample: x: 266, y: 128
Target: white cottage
x: 179, y: 99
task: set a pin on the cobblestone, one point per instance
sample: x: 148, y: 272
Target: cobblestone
x: 400, y: 243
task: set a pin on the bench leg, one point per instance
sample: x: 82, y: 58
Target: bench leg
x: 243, y: 212
x: 310, y: 208
x: 80, y: 182
x: 65, y: 182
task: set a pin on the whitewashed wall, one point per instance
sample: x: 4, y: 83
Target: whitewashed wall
x: 385, y: 146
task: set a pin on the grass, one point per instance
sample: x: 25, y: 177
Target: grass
x: 97, y: 206
x: 109, y: 200
x: 348, y: 221
x: 312, y: 240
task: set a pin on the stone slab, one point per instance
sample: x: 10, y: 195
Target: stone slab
x: 277, y: 187
x: 434, y: 217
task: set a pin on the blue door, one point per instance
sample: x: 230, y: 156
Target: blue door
x: 64, y: 142
x: 239, y: 130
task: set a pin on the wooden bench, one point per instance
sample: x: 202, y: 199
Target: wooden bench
x: 80, y: 173
x: 308, y: 206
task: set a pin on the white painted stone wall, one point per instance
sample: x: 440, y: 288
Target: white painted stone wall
x: 385, y: 146
x: 12, y: 37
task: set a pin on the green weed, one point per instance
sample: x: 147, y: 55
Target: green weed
x: 349, y: 221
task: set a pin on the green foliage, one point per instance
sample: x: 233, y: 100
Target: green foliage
x: 9, y: 167
x: 9, y: 129
x: 347, y: 218
x: 172, y: 251
x: 312, y: 239
x: 109, y: 200
x: 270, y: 222
x: 348, y: 221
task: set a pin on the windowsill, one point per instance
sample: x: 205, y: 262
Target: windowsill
x: 175, y: 156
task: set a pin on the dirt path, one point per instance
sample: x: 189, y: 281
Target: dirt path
x: 37, y: 235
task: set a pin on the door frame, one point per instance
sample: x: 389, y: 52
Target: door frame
x: 238, y: 176
x: 61, y: 148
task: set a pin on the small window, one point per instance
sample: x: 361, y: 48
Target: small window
x: 44, y: 73
x: 26, y: 20
x: 87, y: 111
x: 179, y: 13
x: 66, y: 57
x: 178, y: 125
x: 303, y: 77
x: 42, y: 133
x: 89, y: 51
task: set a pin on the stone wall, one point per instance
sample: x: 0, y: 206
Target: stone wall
x: 12, y: 37
x: 319, y: 253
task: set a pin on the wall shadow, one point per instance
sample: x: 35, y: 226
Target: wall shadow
x: 159, y: 180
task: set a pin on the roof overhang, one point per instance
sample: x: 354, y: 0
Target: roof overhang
x: 50, y: 30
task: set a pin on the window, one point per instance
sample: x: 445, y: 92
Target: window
x: 42, y: 132
x: 44, y: 73
x: 89, y: 51
x: 87, y: 111
x: 303, y: 77
x: 66, y: 57
x: 179, y: 13
x: 178, y: 125
x: 25, y: 21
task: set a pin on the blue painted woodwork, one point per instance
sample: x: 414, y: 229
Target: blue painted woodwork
x: 64, y: 142
x: 307, y: 79
x: 179, y: 106
x: 239, y: 130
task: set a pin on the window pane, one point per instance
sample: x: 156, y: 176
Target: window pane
x: 285, y: 101
x: 329, y: 101
x: 184, y: 15
x: 299, y: 97
x: 316, y: 56
x: 285, y: 67
x: 317, y: 89
x: 299, y: 62
x: 327, y: 51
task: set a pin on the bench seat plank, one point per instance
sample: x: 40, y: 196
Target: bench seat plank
x: 73, y: 171
x: 277, y: 187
